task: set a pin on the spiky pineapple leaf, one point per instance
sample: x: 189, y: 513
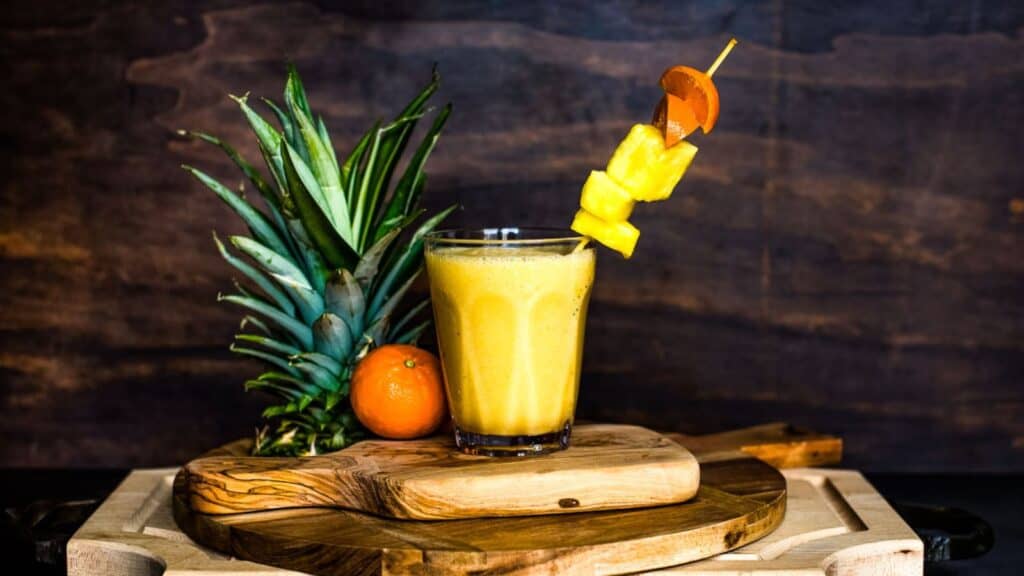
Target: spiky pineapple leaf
x: 268, y: 138
x: 379, y: 162
x: 369, y: 264
x: 286, y: 273
x: 410, y: 316
x: 412, y: 335
x: 250, y: 172
x: 405, y: 261
x: 269, y: 343
x: 322, y: 233
x: 302, y: 333
x: 258, y: 223
x: 291, y: 380
x: 323, y: 165
x: 287, y: 126
x: 322, y: 360
x: 266, y: 357
x: 264, y: 284
x: 350, y: 168
x: 325, y: 137
x: 283, y: 391
x: 319, y: 375
x: 344, y: 298
x: 254, y: 321
x: 406, y: 195
x: 392, y: 302
x: 312, y: 262
x: 331, y: 336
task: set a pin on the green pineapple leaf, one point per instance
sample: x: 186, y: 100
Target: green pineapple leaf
x: 283, y: 391
x: 286, y: 273
x: 257, y: 277
x: 322, y: 233
x: 250, y: 172
x: 289, y: 379
x: 268, y: 138
x: 317, y: 374
x: 406, y: 195
x: 392, y: 302
x: 322, y: 162
x: 321, y: 130
x: 256, y: 322
x: 350, y: 169
x: 410, y: 316
x: 266, y: 357
x: 331, y: 336
x: 412, y: 335
x: 369, y: 264
x: 407, y: 260
x: 344, y: 298
x: 322, y: 360
x: 258, y: 223
x: 302, y: 333
x: 269, y: 343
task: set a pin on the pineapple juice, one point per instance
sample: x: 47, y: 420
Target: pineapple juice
x: 510, y: 324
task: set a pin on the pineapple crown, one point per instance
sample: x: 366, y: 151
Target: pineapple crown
x: 326, y: 270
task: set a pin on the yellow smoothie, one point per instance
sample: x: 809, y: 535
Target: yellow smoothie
x: 510, y: 324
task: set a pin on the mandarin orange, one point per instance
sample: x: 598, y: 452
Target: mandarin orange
x: 398, y: 392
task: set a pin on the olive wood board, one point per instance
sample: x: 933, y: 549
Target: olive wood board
x: 608, y: 467
x: 740, y: 499
x: 836, y: 524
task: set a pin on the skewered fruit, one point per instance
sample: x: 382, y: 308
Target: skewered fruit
x: 620, y: 236
x: 643, y: 166
x: 605, y: 198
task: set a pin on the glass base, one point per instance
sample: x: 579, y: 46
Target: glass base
x: 515, y: 446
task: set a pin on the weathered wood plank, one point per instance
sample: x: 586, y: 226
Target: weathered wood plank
x: 844, y: 253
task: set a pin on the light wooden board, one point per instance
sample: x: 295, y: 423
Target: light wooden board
x: 608, y: 467
x: 836, y: 524
x: 740, y: 500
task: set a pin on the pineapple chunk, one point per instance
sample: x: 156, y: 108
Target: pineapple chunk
x: 643, y: 166
x: 604, y: 198
x: 619, y: 236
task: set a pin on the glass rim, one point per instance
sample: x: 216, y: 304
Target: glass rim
x: 504, y: 235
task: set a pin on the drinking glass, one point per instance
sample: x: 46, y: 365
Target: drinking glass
x: 510, y: 307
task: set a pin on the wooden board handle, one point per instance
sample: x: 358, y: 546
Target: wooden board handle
x: 229, y: 484
x: 780, y: 444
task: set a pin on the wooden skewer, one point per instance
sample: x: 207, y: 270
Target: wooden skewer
x: 721, y: 57
x: 711, y: 72
x: 583, y: 244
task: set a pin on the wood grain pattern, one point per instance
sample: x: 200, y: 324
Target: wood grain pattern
x: 836, y: 524
x: 780, y: 444
x: 608, y: 467
x: 740, y: 500
x: 844, y: 254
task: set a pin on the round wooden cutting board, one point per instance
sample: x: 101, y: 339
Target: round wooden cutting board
x: 740, y: 499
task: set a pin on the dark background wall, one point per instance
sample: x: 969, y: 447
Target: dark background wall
x: 847, y: 252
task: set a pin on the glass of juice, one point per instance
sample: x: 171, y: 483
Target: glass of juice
x: 510, y: 307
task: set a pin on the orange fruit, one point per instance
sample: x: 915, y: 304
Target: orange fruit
x: 691, y: 101
x: 675, y: 118
x: 398, y: 392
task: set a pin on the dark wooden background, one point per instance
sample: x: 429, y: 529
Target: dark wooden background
x: 847, y: 252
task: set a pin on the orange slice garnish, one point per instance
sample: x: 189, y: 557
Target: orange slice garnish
x: 690, y: 101
x: 697, y: 94
x: 676, y: 118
